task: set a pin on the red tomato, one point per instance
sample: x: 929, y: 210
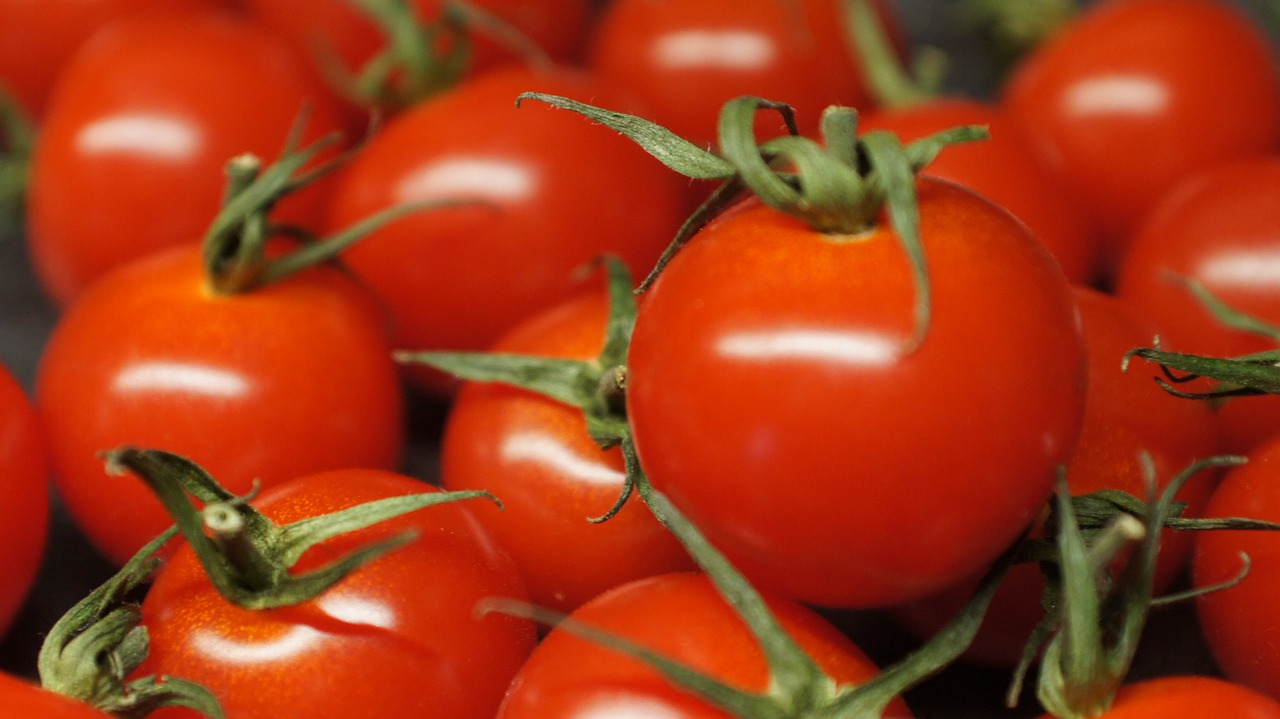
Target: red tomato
x: 1220, y: 228
x: 686, y: 59
x: 1005, y: 170
x: 131, y: 154
x: 558, y: 192
x: 1135, y: 94
x: 37, y: 38
x: 1125, y: 414
x: 24, y: 497
x: 535, y: 454
x: 1240, y: 623
x: 291, y: 378
x: 1188, y: 697
x: 773, y: 401
x: 682, y: 617
x: 397, y: 638
x: 21, y: 699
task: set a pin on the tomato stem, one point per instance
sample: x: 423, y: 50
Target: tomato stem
x: 17, y: 140
x: 892, y: 84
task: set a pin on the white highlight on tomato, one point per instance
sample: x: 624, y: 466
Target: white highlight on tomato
x: 152, y: 135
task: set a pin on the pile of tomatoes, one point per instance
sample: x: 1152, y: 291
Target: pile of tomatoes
x: 263, y: 239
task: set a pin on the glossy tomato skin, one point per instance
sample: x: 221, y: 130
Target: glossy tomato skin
x: 553, y: 192
x: 131, y: 156
x: 397, y: 638
x: 772, y: 398
x: 291, y: 378
x: 682, y: 617
x: 1126, y: 414
x: 536, y: 455
x: 1220, y: 228
x: 1136, y: 94
x: 23, y: 699
x: 1240, y: 622
x: 686, y: 59
x: 1004, y: 169
x: 24, y: 497
x: 1188, y: 697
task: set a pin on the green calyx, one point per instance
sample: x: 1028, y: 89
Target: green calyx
x: 94, y: 648
x: 1016, y: 26
x: 892, y: 84
x: 246, y: 556
x: 839, y: 186
x: 17, y: 140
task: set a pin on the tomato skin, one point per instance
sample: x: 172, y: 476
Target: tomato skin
x: 1240, y: 622
x: 536, y: 455
x: 130, y: 158
x: 397, y: 638
x: 24, y: 497
x: 1188, y: 697
x: 682, y: 617
x: 558, y: 192
x: 1136, y: 94
x: 23, y: 699
x: 291, y: 378
x: 1220, y: 228
x: 1004, y: 169
x: 686, y: 59
x: 770, y: 401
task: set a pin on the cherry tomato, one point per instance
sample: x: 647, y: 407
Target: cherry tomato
x: 22, y: 699
x: 773, y: 398
x: 397, y: 638
x: 37, y: 38
x: 1188, y: 697
x: 291, y: 378
x: 535, y: 454
x: 553, y: 191
x: 130, y: 157
x: 1220, y: 228
x: 24, y: 497
x: 682, y: 617
x: 1136, y: 94
x: 1239, y: 622
x: 1005, y: 170
x: 686, y: 59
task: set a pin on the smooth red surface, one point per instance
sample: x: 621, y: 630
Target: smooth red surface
x: 24, y: 497
x: 772, y: 398
x: 28, y: 701
x: 1188, y: 697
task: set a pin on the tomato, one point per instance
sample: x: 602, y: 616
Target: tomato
x: 396, y: 638
x: 682, y: 617
x: 1136, y: 94
x: 37, y: 38
x: 1188, y: 697
x: 1005, y: 170
x: 536, y: 455
x: 772, y: 397
x: 130, y: 157
x: 1220, y: 228
x: 290, y: 378
x: 21, y: 699
x: 1126, y: 414
x: 1240, y: 622
x: 554, y: 190
x: 24, y: 497
x: 686, y: 59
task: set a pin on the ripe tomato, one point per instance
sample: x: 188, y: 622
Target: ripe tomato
x: 1188, y: 697
x: 1135, y: 94
x: 1005, y: 170
x: 682, y: 617
x: 130, y: 157
x: 556, y: 190
x: 21, y: 699
x: 686, y: 59
x: 1240, y: 623
x: 37, y: 38
x: 24, y: 497
x: 773, y: 400
x: 1219, y: 228
x: 290, y: 378
x: 396, y: 638
x: 535, y: 454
